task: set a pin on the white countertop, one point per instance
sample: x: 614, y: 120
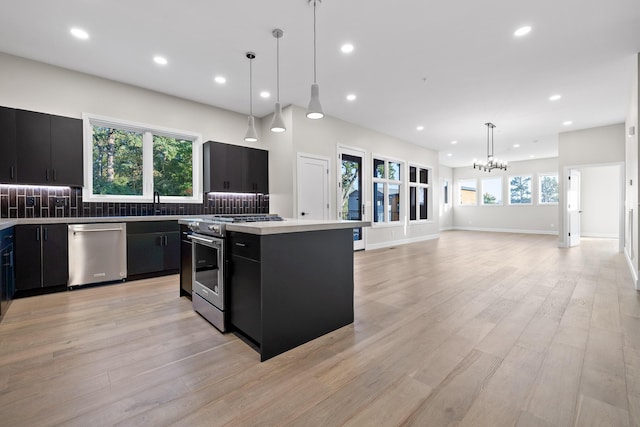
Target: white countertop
x: 293, y: 226
x: 6, y: 223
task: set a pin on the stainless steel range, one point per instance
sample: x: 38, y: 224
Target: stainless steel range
x: 209, y: 264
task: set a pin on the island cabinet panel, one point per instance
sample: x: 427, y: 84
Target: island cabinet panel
x: 300, y: 289
x: 8, y: 154
x: 7, y: 271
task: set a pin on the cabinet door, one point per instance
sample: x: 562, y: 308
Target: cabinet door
x: 7, y: 145
x: 256, y: 171
x: 185, y: 267
x: 245, y: 297
x: 172, y: 251
x: 28, y: 257
x: 66, y: 151
x: 145, y: 253
x: 33, y: 136
x: 215, y: 166
x: 235, y: 168
x: 55, y: 255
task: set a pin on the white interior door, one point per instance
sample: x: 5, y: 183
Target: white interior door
x: 573, y: 207
x: 313, y: 187
x: 351, y: 194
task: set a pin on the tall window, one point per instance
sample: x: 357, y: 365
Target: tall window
x: 387, y: 187
x: 128, y: 162
x: 419, y: 193
x: 445, y: 191
x: 548, y: 189
x: 467, y: 190
x: 492, y: 191
x: 520, y: 190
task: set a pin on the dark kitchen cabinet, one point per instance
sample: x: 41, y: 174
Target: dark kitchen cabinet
x: 256, y: 171
x: 153, y: 247
x: 245, y: 284
x: 7, y: 271
x: 41, y: 256
x: 186, y: 256
x: 7, y: 145
x: 49, y: 149
x: 235, y: 169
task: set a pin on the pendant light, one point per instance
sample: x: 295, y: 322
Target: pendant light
x: 491, y: 163
x: 315, y: 109
x: 277, y: 125
x: 251, y: 135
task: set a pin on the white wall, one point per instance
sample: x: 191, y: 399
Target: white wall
x: 600, y: 201
x: 599, y: 146
x: 534, y: 218
x: 446, y: 210
x: 632, y: 184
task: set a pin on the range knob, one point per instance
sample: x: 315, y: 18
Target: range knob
x: 215, y: 228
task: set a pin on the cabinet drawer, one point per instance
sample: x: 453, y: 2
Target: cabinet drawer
x: 142, y: 227
x: 245, y: 245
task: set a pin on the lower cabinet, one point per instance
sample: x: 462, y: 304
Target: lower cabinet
x: 41, y: 254
x: 153, y: 247
x: 186, y: 255
x: 245, y: 284
x: 7, y: 271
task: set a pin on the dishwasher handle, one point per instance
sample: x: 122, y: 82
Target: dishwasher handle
x: 92, y: 230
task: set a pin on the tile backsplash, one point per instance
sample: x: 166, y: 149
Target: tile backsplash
x: 17, y: 201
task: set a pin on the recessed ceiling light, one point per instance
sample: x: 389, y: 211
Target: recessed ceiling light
x: 347, y: 48
x: 522, y: 31
x: 516, y: 145
x: 351, y: 97
x: 265, y: 94
x: 160, y: 60
x: 420, y: 128
x: 79, y: 33
x: 449, y: 154
x: 220, y: 80
x: 555, y: 97
x: 532, y: 156
x: 567, y: 123
x: 454, y: 142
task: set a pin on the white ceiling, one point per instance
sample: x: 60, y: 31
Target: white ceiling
x: 448, y: 66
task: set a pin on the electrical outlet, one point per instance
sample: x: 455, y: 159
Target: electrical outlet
x: 30, y: 201
x: 61, y: 202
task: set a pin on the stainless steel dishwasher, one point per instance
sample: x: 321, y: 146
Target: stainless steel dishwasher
x: 97, y: 253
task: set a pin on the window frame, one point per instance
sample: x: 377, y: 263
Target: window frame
x: 418, y: 185
x: 482, y: 180
x: 148, y: 131
x: 386, y: 182
x: 459, y: 188
x: 540, y: 176
x: 531, y: 188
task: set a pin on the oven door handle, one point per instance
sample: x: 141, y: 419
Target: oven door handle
x: 203, y: 240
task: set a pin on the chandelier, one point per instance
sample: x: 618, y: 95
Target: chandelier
x: 491, y: 163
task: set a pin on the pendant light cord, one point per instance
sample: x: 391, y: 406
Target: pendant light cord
x: 251, y: 86
x: 314, y: 42
x: 278, y: 69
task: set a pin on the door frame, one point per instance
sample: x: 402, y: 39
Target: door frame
x: 327, y: 161
x: 564, y: 241
x: 365, y: 201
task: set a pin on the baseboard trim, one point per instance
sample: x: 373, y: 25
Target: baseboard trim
x: 389, y: 244
x: 601, y: 235
x: 632, y: 270
x: 508, y: 230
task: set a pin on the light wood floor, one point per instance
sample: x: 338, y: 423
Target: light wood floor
x: 473, y: 329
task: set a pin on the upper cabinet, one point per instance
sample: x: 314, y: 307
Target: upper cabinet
x: 235, y: 169
x: 7, y: 145
x: 49, y: 149
x: 40, y: 149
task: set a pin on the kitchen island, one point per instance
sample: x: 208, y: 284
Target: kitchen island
x: 290, y: 281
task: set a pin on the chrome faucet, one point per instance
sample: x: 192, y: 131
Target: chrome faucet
x: 156, y: 203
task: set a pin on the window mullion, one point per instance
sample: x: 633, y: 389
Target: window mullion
x: 147, y: 165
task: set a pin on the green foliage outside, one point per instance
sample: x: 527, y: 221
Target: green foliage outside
x: 118, y: 164
x: 117, y: 161
x: 172, y: 166
x: 350, y: 173
x: 549, y: 189
x: 520, y: 190
x: 489, y: 199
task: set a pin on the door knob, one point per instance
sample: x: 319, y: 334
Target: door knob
x: 303, y: 213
